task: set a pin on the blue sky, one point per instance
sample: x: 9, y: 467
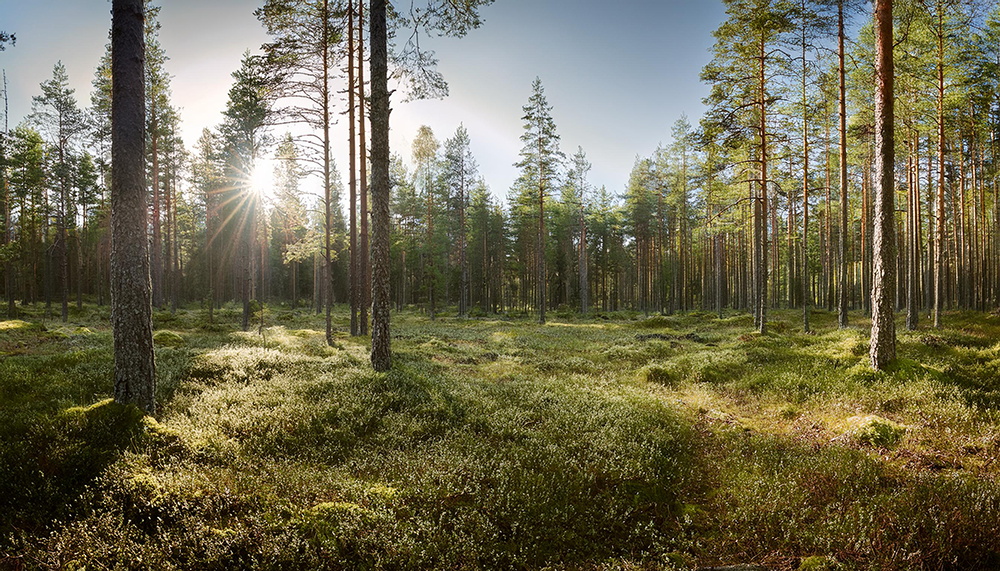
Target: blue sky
x: 618, y: 73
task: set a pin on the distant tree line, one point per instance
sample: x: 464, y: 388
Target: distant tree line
x: 768, y: 201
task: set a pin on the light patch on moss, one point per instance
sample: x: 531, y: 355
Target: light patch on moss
x: 818, y: 563
x: 874, y: 430
x: 15, y: 324
x: 165, y: 338
x: 335, y: 510
x: 383, y: 491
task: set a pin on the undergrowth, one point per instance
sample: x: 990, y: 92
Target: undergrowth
x: 615, y: 442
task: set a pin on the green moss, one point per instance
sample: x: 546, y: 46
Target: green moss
x: 164, y: 338
x: 818, y: 563
x: 10, y: 325
x: 334, y: 510
x: 501, y: 444
x: 874, y: 431
x: 655, y: 322
x: 659, y: 374
x: 789, y: 412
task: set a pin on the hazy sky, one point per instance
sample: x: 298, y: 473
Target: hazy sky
x: 618, y: 73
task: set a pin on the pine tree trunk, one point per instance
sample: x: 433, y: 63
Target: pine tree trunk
x: 912, y: 245
x: 352, y: 201
x: 168, y: 262
x: 939, y: 283
x: 62, y: 240
x: 805, y: 189
x: 364, y: 294
x: 762, y: 325
x: 463, y: 294
x: 842, y: 314
x: 157, y: 263
x: 131, y: 311
x: 381, y: 357
x: 883, y: 334
x: 8, y: 267
x: 176, y: 272
x: 326, y: 282
x: 540, y: 246
x: 584, y: 282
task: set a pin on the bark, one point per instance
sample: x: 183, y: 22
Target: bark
x: 326, y: 282
x: 912, y: 244
x: 463, y: 262
x: 939, y: 284
x: 131, y: 309
x: 540, y: 247
x: 61, y: 240
x: 842, y: 312
x: 883, y: 334
x: 8, y: 268
x: 430, y: 268
x: 381, y: 356
x: 365, y: 257
x: 157, y: 253
x: 762, y: 292
x: 352, y: 203
x: 584, y: 283
x: 805, y: 189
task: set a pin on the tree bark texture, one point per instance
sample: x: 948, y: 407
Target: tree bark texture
x: 883, y: 335
x: 131, y: 305
x: 381, y: 356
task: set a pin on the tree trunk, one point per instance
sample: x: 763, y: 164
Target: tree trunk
x: 352, y: 201
x: 381, y: 357
x: 805, y: 188
x: 540, y: 247
x: 883, y: 335
x: 584, y: 282
x: 762, y: 292
x: 912, y: 245
x: 63, y: 250
x: 364, y: 294
x: 463, y: 294
x: 157, y: 263
x: 939, y: 284
x: 131, y: 310
x: 842, y: 313
x: 326, y: 282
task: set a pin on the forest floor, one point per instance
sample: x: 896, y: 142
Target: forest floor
x: 613, y: 442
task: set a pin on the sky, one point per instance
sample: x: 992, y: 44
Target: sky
x: 618, y: 73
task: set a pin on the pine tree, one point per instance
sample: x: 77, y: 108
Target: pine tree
x: 461, y: 173
x: 741, y: 95
x: 425, y: 154
x: 57, y: 114
x: 289, y: 211
x: 207, y: 173
x: 304, y: 55
x: 249, y: 112
x: 540, y: 162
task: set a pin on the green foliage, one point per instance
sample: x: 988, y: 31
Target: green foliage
x: 658, y: 374
x: 587, y: 443
x: 875, y: 430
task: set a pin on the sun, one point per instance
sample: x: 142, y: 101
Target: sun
x: 262, y: 178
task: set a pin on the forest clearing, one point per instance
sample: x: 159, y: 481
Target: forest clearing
x: 256, y: 313
x: 614, y: 442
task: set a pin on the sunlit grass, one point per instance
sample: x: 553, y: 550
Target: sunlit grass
x: 615, y: 442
